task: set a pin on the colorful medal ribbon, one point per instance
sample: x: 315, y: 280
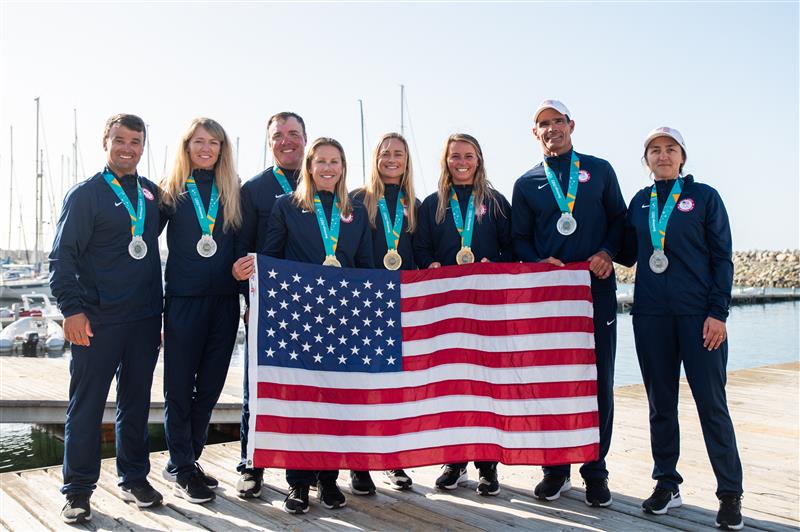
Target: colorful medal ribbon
x: 658, y: 226
x: 137, y: 216
x: 330, y: 235
x: 392, y: 230
x: 282, y: 181
x: 464, y: 230
x: 565, y: 204
x: 206, y: 220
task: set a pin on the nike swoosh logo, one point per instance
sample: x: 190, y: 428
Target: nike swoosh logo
x: 645, y: 206
x: 278, y: 195
x: 610, y: 322
x: 542, y: 186
x: 304, y: 211
x: 117, y: 203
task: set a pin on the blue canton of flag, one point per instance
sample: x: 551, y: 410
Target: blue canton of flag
x: 328, y: 319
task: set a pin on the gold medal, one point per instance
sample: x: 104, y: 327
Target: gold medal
x: 331, y: 260
x: 465, y: 256
x: 392, y: 260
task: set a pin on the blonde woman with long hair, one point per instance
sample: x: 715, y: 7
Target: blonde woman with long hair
x: 200, y: 204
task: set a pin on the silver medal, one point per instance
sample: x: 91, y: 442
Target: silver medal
x: 137, y: 248
x: 206, y: 246
x: 658, y: 261
x: 567, y: 224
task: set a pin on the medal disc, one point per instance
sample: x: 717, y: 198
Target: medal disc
x: 206, y: 246
x: 465, y: 256
x: 392, y: 260
x: 567, y: 224
x: 658, y: 261
x: 331, y: 260
x: 137, y: 248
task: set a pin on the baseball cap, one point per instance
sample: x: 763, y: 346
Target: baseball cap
x: 664, y: 131
x: 551, y: 104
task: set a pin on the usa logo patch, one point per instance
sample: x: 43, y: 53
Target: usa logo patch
x: 483, y: 209
x: 686, y: 205
x: 147, y: 194
x: 347, y: 219
x: 584, y: 176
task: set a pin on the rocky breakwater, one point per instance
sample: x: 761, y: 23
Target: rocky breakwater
x: 759, y: 268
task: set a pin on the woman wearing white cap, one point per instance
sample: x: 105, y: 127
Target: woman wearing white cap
x: 678, y: 232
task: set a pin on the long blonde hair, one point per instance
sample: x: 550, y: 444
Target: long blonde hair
x: 303, y: 196
x: 375, y: 188
x: 481, y: 187
x: 174, y: 183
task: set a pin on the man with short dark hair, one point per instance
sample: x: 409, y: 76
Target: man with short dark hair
x: 287, y: 141
x: 569, y: 208
x: 105, y: 272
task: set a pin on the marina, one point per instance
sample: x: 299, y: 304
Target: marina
x: 768, y: 447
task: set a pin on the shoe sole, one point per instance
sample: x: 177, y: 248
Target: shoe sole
x: 249, y: 494
x: 486, y: 493
x: 130, y: 497
x: 564, y: 487
x: 360, y: 492
x: 725, y: 526
x: 596, y: 504
x: 169, y: 477
x: 673, y: 503
x: 295, y: 512
x: 463, y: 478
x: 77, y: 520
x: 398, y: 487
x: 333, y: 506
x: 179, y: 492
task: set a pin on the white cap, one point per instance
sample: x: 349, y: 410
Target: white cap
x: 551, y: 104
x: 664, y: 131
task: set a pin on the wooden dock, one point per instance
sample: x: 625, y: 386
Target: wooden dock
x: 36, y: 390
x: 764, y: 407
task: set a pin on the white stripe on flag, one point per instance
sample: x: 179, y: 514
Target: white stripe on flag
x: 499, y: 344
x: 444, y: 372
x: 427, y: 439
x: 493, y: 282
x: 438, y: 405
x: 519, y: 311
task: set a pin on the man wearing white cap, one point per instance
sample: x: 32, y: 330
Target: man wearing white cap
x: 569, y: 208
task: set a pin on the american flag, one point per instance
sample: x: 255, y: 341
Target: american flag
x: 373, y: 369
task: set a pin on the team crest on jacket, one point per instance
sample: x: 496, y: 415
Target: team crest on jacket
x: 346, y: 219
x: 686, y: 205
x: 147, y: 194
x: 584, y: 176
x: 483, y: 209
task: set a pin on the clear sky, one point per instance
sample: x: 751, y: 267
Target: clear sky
x: 724, y: 74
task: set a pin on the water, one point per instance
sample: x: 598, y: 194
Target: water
x: 759, y: 335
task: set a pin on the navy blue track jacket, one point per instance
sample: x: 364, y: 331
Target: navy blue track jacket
x: 441, y: 242
x: 293, y: 234
x: 187, y: 273
x: 698, y: 245
x: 379, y: 247
x: 599, y: 210
x: 90, y: 268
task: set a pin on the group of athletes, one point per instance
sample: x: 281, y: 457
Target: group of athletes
x: 106, y: 275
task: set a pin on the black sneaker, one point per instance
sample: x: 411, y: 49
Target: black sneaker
x: 144, y: 495
x: 249, y: 484
x: 296, y: 501
x: 729, y: 516
x: 361, y: 483
x: 487, y: 481
x: 211, y: 482
x: 330, y: 495
x: 597, y: 492
x: 77, y: 509
x: 194, y: 489
x: 398, y: 479
x: 551, y: 487
x: 451, y: 477
x: 662, y: 500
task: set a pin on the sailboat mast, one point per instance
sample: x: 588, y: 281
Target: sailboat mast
x: 363, y: 156
x: 75, y: 146
x: 11, y: 190
x: 402, y: 120
x: 39, y: 188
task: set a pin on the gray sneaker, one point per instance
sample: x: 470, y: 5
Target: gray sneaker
x: 77, y: 510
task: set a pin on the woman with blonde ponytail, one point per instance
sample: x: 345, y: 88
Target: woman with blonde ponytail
x: 200, y: 203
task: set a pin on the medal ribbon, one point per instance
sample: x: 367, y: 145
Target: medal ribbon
x: 392, y: 231
x: 330, y: 235
x: 658, y: 226
x: 565, y: 204
x: 206, y: 220
x: 137, y: 216
x: 464, y: 230
x: 282, y: 181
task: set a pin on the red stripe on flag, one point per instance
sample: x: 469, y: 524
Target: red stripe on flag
x: 393, y: 427
x: 499, y: 328
x: 509, y: 296
x: 517, y: 359
x: 424, y: 457
x: 486, y: 268
x: 347, y: 396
